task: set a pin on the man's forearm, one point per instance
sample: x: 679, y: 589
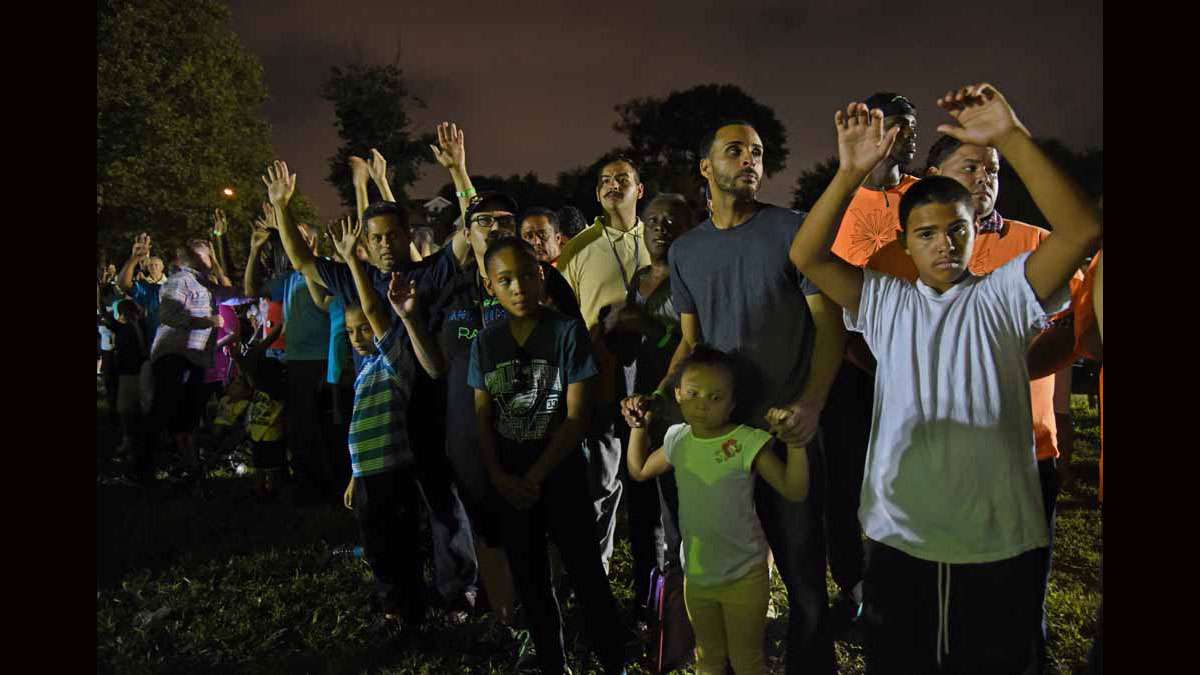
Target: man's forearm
x: 368, y: 298
x: 462, y: 185
x: 429, y: 354
x: 250, y: 281
x: 828, y: 349
x: 813, y: 242
x: 125, y: 278
x: 360, y: 199
x: 683, y: 351
x: 294, y: 245
x: 1062, y: 201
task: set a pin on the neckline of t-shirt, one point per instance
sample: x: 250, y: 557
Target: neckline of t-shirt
x: 950, y: 293
x: 713, y: 226
x: 714, y: 438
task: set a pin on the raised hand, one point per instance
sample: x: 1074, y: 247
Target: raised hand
x: 983, y: 114
x: 344, y: 234
x: 861, y: 140
x: 260, y: 234
x: 451, y: 150
x: 377, y: 167
x: 220, y: 224
x: 141, y: 247
x: 280, y: 184
x: 268, y: 220
x: 403, y: 296
x: 360, y: 173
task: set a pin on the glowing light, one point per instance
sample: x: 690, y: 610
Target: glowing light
x: 228, y: 192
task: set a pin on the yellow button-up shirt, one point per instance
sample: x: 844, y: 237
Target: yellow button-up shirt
x: 589, y: 263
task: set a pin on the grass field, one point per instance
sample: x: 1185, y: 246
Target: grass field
x: 225, y: 584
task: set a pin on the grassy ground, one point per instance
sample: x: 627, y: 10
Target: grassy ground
x: 225, y: 584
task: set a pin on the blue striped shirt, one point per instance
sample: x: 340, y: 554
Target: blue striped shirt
x: 378, y: 430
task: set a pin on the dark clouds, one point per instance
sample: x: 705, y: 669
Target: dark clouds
x: 534, y: 84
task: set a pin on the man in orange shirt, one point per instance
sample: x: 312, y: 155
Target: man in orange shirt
x: 997, y: 241
x: 871, y: 221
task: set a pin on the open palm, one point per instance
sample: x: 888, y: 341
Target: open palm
x: 280, y: 183
x: 344, y: 235
x: 862, y: 142
x: 451, y: 148
x: 403, y: 295
x: 983, y: 115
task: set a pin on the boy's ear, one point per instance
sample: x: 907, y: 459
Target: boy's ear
x: 933, y: 171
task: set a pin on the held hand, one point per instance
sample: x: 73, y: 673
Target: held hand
x: 377, y: 167
x: 861, y: 141
x: 348, y: 496
x: 344, y: 236
x: 450, y: 151
x: 403, y: 296
x: 984, y: 117
x: 141, y: 247
x: 639, y: 410
x: 516, y: 491
x: 220, y: 224
x: 360, y: 173
x: 795, y: 424
x: 280, y: 184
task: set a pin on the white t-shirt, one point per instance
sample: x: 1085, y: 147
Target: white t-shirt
x: 722, y: 538
x: 951, y: 465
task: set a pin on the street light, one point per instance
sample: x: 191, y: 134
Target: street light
x: 228, y: 192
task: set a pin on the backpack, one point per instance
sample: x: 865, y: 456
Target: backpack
x: 676, y: 643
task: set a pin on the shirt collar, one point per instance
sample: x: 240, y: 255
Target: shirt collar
x: 638, y: 230
x: 993, y: 223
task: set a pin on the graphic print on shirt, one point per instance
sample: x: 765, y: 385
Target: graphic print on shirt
x: 872, y: 231
x: 728, y: 450
x: 526, y: 394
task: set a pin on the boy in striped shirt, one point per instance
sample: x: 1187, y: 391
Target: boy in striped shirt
x: 383, y: 490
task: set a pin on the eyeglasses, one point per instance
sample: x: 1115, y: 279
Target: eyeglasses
x: 488, y: 222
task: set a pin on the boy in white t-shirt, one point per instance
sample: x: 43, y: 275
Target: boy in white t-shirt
x: 951, y: 503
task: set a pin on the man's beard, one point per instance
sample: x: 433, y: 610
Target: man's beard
x: 729, y: 185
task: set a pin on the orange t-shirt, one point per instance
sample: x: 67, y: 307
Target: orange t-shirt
x: 872, y: 220
x: 1085, y: 321
x: 274, y: 318
x: 992, y: 250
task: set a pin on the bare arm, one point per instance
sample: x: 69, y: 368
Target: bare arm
x: 567, y: 436
x: 378, y: 169
x: 451, y: 153
x: 517, y: 491
x: 641, y: 467
x: 320, y: 297
x: 1052, y: 350
x: 280, y: 186
x: 141, y: 251
x: 862, y: 143
x: 360, y: 173
x: 403, y: 297
x: 828, y: 348
x: 251, y: 283
x: 791, y: 479
x: 345, y: 235
x: 634, y: 408
x: 987, y: 119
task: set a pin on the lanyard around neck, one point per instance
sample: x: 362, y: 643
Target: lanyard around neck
x: 628, y: 284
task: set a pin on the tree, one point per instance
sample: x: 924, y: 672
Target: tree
x: 371, y: 104
x: 664, y: 134
x: 812, y: 182
x: 177, y: 120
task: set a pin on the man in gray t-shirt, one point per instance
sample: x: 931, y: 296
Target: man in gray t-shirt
x: 736, y: 289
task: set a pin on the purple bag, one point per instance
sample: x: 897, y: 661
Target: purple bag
x: 676, y: 641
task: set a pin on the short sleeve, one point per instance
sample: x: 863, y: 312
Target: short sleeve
x: 671, y: 439
x: 758, y: 441
x: 276, y: 288
x: 391, y: 348
x: 681, y: 297
x: 807, y: 286
x: 338, y: 279
x: 1012, y: 289
x: 877, y: 306
x: 578, y: 364
x: 475, y: 367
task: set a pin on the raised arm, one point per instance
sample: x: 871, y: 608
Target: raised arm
x: 862, y: 143
x: 141, y: 251
x: 360, y: 173
x: 451, y: 153
x: 220, y: 242
x: 345, y: 235
x: 258, y: 238
x: 378, y: 171
x: 985, y: 118
x: 280, y: 186
x: 321, y: 297
x: 403, y: 297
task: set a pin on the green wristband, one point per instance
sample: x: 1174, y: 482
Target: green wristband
x: 466, y: 194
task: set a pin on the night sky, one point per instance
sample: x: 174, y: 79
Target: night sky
x: 534, y: 84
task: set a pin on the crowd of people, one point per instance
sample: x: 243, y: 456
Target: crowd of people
x: 869, y: 387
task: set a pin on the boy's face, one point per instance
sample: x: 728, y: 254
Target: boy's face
x: 705, y: 395
x: 516, y: 279
x: 362, y: 338
x: 939, y: 237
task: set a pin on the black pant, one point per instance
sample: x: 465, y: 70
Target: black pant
x: 455, y: 565
x: 796, y: 536
x: 846, y: 430
x: 388, y: 511
x: 1049, y: 480
x: 311, y: 459
x: 178, y: 401
x: 563, y: 513
x: 989, y: 618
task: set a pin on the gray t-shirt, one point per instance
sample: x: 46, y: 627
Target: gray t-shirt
x: 952, y: 471
x: 748, y: 296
